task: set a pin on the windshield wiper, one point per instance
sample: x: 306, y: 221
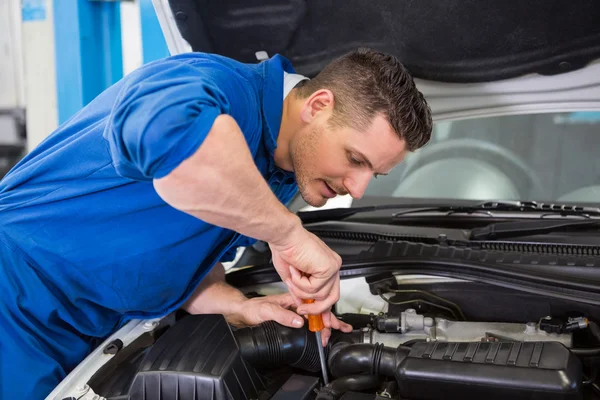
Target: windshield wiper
x: 503, y: 230
x: 336, y: 214
x: 487, y: 208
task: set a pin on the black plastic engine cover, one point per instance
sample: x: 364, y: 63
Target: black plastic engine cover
x: 198, y: 358
x: 491, y: 371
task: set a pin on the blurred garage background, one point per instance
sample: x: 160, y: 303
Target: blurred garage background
x: 57, y: 55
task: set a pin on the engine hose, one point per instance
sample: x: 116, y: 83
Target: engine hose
x: 594, y: 329
x: 338, y: 387
x: 273, y: 345
x: 586, y: 352
x: 374, y: 359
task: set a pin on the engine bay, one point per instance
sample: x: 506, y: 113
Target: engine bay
x: 431, y: 342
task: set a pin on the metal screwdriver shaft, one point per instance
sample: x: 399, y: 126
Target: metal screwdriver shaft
x: 316, y: 325
x: 322, y: 357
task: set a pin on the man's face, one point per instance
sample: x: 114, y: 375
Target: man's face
x: 330, y: 161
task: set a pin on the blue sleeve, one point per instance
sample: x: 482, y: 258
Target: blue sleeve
x: 161, y: 116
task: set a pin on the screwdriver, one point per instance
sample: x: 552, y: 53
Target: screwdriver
x: 316, y: 325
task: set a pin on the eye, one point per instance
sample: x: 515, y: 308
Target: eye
x: 354, y: 160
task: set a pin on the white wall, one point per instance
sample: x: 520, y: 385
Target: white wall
x: 131, y: 36
x: 11, y: 58
x: 12, y: 94
x: 40, y: 75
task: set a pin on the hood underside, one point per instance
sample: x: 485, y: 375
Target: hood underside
x: 450, y: 41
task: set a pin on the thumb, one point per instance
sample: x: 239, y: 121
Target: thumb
x: 275, y: 312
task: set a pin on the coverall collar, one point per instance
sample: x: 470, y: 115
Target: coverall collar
x: 272, y: 101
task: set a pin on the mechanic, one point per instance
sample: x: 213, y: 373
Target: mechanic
x: 128, y: 209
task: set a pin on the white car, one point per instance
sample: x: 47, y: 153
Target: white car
x: 472, y: 271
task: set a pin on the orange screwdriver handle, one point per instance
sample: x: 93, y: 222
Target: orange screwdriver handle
x: 315, y: 322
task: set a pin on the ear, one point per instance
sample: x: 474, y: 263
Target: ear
x: 321, y: 100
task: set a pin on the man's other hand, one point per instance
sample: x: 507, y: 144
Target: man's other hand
x: 277, y: 308
x: 309, y: 268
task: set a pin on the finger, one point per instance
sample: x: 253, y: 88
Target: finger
x: 316, y: 308
x: 306, y: 295
x: 309, y: 284
x: 285, y: 300
x: 325, y: 335
x: 319, y: 290
x: 339, y: 325
x: 323, y: 305
x: 296, y: 293
x: 294, y: 273
x: 301, y: 281
x: 326, y: 315
x: 291, y: 290
x: 274, y: 312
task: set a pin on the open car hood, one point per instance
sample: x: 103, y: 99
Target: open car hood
x: 469, y: 58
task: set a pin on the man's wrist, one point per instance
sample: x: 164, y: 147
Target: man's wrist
x: 216, y: 298
x: 234, y: 314
x: 289, y: 225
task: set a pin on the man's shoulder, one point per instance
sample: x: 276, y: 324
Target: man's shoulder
x: 263, y: 68
x: 205, y: 64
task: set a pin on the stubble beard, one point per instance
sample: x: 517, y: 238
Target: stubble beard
x: 302, y: 152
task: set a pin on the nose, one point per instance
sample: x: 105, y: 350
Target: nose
x: 357, y: 183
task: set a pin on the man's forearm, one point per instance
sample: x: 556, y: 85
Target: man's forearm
x: 214, y: 296
x: 221, y: 185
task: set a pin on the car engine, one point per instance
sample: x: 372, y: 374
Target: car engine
x: 404, y: 355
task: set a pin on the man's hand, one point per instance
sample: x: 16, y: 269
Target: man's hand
x: 276, y: 308
x: 215, y: 296
x: 309, y: 268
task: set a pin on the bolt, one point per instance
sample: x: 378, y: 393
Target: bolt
x: 564, y: 65
x: 113, y: 347
x: 82, y: 389
x: 411, y: 310
x: 428, y: 321
x: 530, y: 327
x: 442, y: 323
x: 150, y: 324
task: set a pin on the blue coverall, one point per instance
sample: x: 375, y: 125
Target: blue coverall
x: 87, y: 244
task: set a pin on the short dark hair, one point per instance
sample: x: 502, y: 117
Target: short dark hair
x: 366, y: 82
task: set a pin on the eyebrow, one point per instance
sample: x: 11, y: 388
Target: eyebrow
x: 368, y: 162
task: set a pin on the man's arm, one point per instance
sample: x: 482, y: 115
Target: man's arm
x: 215, y: 296
x: 221, y: 185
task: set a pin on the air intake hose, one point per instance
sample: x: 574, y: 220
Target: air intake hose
x: 337, y: 388
x: 375, y: 359
x: 273, y: 345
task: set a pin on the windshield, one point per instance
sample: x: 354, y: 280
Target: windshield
x: 549, y: 157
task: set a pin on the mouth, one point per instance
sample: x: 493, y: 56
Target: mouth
x: 328, y: 192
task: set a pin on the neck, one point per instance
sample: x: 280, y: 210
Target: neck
x: 289, y: 125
